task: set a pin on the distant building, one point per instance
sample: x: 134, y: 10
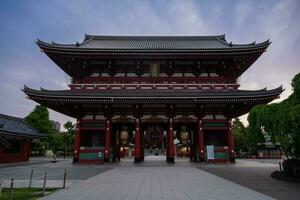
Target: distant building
x: 16, y: 139
x: 55, y: 125
x: 268, y: 150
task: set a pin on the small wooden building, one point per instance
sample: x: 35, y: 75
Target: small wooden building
x: 16, y: 139
x: 268, y: 150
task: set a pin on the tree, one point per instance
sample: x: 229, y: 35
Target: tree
x: 56, y: 142
x: 39, y: 119
x: 256, y: 121
x: 293, y: 135
x: 240, y: 136
x: 296, y: 87
x: 280, y: 120
x: 69, y: 136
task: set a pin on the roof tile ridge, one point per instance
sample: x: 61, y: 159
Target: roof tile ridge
x: 240, y: 44
x: 89, y: 37
x: 40, y: 42
x: 31, y: 127
x: 223, y: 40
x: 252, y: 44
x: 10, y: 117
x: 28, y: 89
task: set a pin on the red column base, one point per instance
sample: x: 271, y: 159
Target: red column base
x: 201, y: 158
x: 137, y: 160
x: 170, y: 160
x: 232, y: 159
x: 75, y: 160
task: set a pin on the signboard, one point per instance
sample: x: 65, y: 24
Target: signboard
x: 154, y: 70
x: 210, y: 152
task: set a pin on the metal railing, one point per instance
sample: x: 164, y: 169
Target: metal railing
x: 45, y: 176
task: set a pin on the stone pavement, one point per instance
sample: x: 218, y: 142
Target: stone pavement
x: 32, y: 161
x: 158, y: 181
x: 39, y: 183
x: 255, y: 174
x: 55, y: 172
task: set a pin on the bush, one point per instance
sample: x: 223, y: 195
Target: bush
x: 291, y: 166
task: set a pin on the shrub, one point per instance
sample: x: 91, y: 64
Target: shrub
x: 291, y: 166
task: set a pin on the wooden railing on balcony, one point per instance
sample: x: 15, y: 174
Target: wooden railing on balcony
x: 105, y: 86
x: 139, y: 80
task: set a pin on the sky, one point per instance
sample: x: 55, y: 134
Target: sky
x: 23, y: 22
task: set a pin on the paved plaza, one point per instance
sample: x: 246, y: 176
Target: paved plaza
x: 156, y: 180
x: 20, y: 172
x: 255, y: 174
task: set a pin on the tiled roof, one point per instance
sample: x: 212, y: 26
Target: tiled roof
x: 15, y: 126
x: 94, y: 42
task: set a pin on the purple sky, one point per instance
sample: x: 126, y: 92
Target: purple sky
x: 22, y: 23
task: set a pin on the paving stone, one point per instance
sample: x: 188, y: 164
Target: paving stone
x: 159, y: 182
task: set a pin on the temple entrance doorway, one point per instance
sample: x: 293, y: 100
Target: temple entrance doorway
x: 124, y: 140
x: 154, y: 143
x: 185, y: 141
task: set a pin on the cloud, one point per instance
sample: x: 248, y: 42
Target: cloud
x: 62, y: 21
x: 242, y: 11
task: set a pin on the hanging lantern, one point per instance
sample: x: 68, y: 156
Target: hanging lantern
x: 184, y: 135
x: 124, y: 135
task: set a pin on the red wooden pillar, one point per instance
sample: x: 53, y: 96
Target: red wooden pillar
x: 118, y: 146
x: 22, y: 150
x: 77, y: 143
x: 25, y: 155
x: 107, y: 141
x: 230, y: 142
x: 138, y: 140
x: 200, y: 141
x: 170, y: 142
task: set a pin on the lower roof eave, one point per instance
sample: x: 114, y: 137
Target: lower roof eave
x: 166, y: 100
x: 22, y: 135
x: 70, y: 102
x: 152, y: 94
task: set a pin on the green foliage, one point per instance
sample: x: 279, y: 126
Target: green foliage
x: 56, y: 142
x: 69, y: 136
x: 296, y: 87
x: 294, y: 126
x: 26, y: 193
x: 280, y: 120
x: 291, y: 167
x: 39, y: 119
x: 255, y: 120
x: 240, y: 136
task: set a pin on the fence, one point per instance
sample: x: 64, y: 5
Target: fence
x: 44, y: 177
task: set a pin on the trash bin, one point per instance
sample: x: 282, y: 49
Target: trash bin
x: 100, y: 157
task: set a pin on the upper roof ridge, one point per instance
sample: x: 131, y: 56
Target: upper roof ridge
x: 151, y: 37
x: 153, y: 43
